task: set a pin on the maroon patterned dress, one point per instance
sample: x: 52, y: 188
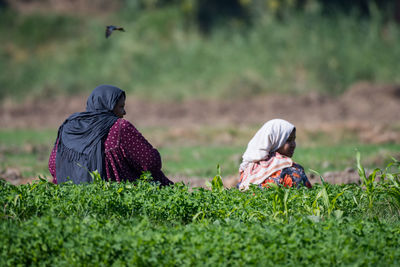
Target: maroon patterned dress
x: 127, y: 155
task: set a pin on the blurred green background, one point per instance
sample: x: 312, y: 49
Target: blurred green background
x: 180, y: 49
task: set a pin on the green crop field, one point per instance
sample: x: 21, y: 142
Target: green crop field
x: 141, y: 224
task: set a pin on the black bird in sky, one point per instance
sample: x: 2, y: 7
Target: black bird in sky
x: 111, y: 28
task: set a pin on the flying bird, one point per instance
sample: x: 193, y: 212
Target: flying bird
x: 111, y: 28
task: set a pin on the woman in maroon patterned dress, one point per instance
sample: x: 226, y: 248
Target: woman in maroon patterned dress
x: 100, y: 139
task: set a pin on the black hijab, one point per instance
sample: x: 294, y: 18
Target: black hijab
x: 81, y: 136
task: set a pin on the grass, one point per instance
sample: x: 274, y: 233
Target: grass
x: 159, y: 57
x: 202, y: 160
x: 28, y: 150
x: 12, y: 137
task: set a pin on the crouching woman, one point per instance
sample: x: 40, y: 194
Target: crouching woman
x: 268, y: 158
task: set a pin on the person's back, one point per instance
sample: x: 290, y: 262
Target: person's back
x: 99, y: 139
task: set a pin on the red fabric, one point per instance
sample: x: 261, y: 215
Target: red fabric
x: 127, y: 154
x: 52, y: 163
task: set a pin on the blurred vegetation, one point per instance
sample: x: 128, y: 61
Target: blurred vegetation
x: 181, y: 49
x: 29, y: 150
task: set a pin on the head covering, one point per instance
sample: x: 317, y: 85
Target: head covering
x: 80, y: 146
x: 259, y: 160
x: 272, y: 135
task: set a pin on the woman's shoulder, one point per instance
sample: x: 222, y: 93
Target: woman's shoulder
x: 125, y: 124
x: 127, y: 128
x: 121, y: 125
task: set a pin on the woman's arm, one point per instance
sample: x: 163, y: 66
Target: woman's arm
x: 140, y: 153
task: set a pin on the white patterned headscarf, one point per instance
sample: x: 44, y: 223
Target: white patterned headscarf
x: 272, y: 135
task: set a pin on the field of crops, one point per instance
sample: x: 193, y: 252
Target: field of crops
x: 142, y: 224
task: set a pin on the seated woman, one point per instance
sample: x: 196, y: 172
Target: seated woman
x: 268, y: 158
x: 100, y: 139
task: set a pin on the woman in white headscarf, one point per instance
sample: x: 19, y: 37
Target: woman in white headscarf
x: 268, y: 158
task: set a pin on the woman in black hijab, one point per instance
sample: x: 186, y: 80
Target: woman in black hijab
x: 100, y: 139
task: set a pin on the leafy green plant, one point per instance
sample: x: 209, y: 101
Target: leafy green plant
x: 328, y: 204
x: 141, y: 223
x: 280, y: 198
x: 216, y: 183
x: 368, y: 182
x: 393, y: 181
x: 96, y: 176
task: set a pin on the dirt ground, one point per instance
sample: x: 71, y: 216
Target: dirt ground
x: 372, y: 111
x: 363, y: 104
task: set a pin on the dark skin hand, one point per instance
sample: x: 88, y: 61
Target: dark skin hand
x: 288, y: 148
x: 119, y: 109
